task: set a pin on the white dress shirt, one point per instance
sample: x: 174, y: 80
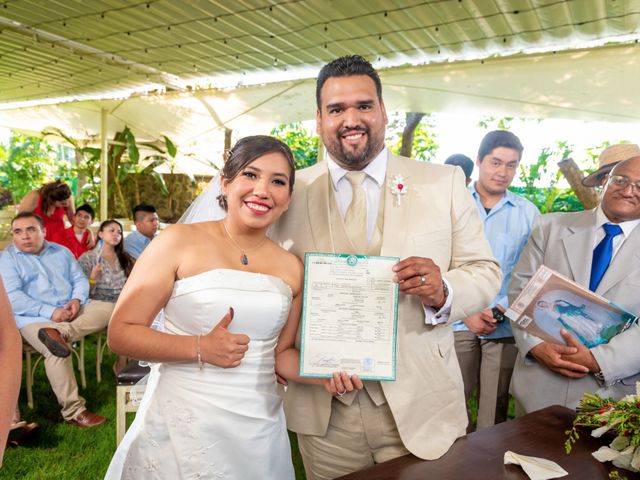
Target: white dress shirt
x: 373, y: 185
x: 627, y: 227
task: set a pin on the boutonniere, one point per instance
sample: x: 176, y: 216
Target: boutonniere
x: 398, y: 188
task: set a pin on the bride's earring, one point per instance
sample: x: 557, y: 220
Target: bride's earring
x: 222, y: 201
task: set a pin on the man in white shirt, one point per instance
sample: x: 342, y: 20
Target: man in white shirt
x: 365, y: 200
x: 599, y: 250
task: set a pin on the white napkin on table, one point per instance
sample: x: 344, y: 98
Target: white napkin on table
x: 536, y: 468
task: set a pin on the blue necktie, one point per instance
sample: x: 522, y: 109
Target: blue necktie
x: 602, y: 255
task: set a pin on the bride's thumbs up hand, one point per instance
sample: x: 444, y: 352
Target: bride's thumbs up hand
x: 223, y: 348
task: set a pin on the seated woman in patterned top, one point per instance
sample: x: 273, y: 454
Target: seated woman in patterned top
x: 107, y: 266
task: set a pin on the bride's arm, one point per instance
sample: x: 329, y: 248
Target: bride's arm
x: 288, y: 356
x: 147, y: 290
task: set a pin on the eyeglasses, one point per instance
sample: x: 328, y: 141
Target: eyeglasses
x: 621, y: 182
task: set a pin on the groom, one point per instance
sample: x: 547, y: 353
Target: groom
x: 365, y: 200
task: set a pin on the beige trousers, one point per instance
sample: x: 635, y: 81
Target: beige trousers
x: 359, y: 436
x: 92, y: 317
x: 486, y: 365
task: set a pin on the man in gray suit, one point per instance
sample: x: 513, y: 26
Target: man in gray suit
x: 572, y: 244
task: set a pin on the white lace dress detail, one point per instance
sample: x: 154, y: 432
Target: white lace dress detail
x: 214, y: 423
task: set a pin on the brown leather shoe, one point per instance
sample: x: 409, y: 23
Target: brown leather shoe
x: 54, y: 342
x: 86, y: 419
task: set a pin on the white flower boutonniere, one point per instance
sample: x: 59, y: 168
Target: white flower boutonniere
x: 398, y: 188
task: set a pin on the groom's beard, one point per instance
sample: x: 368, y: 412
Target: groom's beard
x: 354, y: 159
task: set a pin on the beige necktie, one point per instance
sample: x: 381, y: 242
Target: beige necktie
x: 355, y: 220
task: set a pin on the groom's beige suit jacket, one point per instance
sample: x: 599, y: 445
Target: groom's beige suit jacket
x: 564, y: 242
x: 437, y: 219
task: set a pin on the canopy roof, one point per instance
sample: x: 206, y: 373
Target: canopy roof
x: 191, y: 69
x: 62, y: 48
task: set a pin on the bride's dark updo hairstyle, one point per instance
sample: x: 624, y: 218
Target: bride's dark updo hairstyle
x: 248, y: 149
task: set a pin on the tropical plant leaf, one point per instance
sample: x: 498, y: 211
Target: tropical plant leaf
x: 152, y: 146
x: 161, y: 183
x: 132, y: 148
x: 171, y: 148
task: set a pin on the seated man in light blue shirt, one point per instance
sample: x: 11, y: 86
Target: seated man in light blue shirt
x: 145, y: 219
x: 48, y: 293
x: 485, y: 348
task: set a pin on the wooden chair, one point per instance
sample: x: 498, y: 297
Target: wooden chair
x: 101, y: 344
x: 31, y: 366
x: 131, y: 374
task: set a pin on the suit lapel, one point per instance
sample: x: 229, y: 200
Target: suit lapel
x: 396, y: 217
x: 626, y: 260
x: 318, y: 209
x: 578, y: 247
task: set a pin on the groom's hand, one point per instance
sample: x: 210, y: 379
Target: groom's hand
x: 341, y: 383
x: 421, y: 277
x: 223, y: 348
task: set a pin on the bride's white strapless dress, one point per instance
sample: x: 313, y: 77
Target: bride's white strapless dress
x: 214, y: 423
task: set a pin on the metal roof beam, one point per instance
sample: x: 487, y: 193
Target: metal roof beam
x: 38, y: 35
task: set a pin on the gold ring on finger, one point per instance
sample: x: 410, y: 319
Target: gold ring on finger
x: 423, y: 280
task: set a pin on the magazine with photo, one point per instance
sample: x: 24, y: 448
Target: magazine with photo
x: 551, y: 302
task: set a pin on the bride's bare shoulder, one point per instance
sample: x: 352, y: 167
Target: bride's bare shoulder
x: 292, y: 269
x: 188, y: 231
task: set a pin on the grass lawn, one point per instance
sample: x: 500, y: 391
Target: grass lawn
x: 61, y: 451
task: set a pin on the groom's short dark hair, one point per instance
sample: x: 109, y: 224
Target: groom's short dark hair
x: 346, y: 67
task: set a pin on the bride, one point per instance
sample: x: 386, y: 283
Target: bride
x: 231, y: 300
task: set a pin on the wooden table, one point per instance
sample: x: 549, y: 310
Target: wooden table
x: 480, y: 455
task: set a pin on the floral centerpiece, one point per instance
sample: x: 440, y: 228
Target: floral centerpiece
x: 622, y: 418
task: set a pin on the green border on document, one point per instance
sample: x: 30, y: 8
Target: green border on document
x: 304, y: 310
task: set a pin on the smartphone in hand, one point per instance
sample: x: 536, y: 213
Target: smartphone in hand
x: 498, y: 315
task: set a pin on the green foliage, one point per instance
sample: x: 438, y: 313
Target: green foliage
x: 591, y: 164
x: 551, y: 199
x: 495, y: 123
x: 6, y: 198
x: 303, y: 145
x: 548, y: 197
x: 425, y: 145
x: 124, y: 163
x: 171, y: 148
x: 89, y: 169
x: 28, y: 163
x: 125, y: 166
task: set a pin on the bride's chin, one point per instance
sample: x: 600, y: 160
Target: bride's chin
x: 253, y: 222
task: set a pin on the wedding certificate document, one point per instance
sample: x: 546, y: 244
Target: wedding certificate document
x: 349, y: 316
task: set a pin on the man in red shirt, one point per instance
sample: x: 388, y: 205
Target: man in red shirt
x: 78, y: 237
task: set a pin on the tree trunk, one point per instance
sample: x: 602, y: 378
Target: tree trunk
x: 136, y: 187
x: 412, y: 121
x: 588, y: 196
x: 111, y: 173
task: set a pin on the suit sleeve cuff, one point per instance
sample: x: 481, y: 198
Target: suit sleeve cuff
x: 433, y: 317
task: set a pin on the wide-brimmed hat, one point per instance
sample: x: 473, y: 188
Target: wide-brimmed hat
x: 608, y: 159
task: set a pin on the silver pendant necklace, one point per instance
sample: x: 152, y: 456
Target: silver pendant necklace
x: 243, y: 257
